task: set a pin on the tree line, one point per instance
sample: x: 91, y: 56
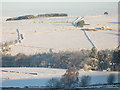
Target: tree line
x: 84, y: 59
x: 71, y: 80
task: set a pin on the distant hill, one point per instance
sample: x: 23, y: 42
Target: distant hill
x: 38, y: 16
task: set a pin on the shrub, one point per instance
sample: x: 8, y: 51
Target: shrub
x: 111, y: 79
x: 53, y: 83
x: 85, y: 81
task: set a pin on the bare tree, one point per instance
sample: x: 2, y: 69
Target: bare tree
x: 86, y: 67
x: 70, y: 78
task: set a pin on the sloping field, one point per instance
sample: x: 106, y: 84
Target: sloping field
x: 20, y: 77
x: 58, y: 34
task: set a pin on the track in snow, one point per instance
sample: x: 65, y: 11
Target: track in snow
x: 89, y: 39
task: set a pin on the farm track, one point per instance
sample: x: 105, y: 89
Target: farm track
x: 88, y: 38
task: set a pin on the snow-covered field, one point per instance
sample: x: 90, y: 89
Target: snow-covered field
x: 20, y: 77
x: 58, y: 34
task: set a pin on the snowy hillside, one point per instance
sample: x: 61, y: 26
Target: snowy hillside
x: 58, y: 34
x: 20, y: 77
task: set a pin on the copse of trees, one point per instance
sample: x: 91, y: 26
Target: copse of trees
x: 87, y: 59
x: 54, y: 60
x: 104, y: 60
x: 93, y: 58
x: 69, y: 80
x: 116, y: 60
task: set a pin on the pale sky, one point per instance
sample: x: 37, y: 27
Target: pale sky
x: 20, y: 8
x: 59, y: 0
x: 71, y: 8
